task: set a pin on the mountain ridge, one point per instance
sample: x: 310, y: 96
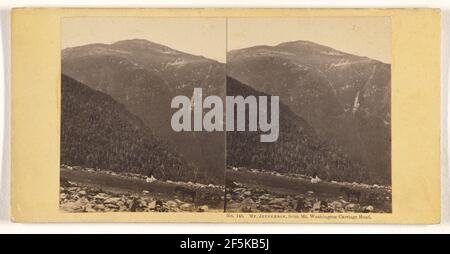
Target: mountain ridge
x: 302, y: 44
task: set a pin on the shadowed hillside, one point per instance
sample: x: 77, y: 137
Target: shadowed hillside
x: 297, y: 150
x: 345, y: 98
x: 98, y: 132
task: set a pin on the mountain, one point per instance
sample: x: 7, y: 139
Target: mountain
x: 345, y: 98
x: 98, y: 132
x: 171, y: 69
x: 297, y: 150
x: 144, y: 77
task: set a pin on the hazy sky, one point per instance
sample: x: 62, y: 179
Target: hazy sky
x: 364, y: 36
x: 197, y: 36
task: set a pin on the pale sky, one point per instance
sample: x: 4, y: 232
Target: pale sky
x: 197, y: 36
x: 363, y: 36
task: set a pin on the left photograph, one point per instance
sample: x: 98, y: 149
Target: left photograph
x: 119, y: 151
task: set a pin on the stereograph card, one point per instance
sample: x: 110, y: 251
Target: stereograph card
x: 226, y: 115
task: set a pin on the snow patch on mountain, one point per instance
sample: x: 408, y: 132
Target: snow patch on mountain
x: 177, y: 62
x: 341, y: 63
x: 331, y: 53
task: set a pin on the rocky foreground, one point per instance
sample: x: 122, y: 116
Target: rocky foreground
x: 151, y: 195
x: 242, y: 198
x: 77, y: 198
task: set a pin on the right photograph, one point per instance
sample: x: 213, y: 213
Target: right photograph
x: 332, y: 76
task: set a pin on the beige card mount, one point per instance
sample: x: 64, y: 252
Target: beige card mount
x: 226, y: 115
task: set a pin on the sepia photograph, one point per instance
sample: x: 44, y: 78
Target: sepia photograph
x: 119, y: 152
x: 284, y: 115
x: 333, y: 79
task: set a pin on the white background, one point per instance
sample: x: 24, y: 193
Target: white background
x: 8, y: 227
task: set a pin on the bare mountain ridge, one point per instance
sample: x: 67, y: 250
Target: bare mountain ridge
x: 160, y: 60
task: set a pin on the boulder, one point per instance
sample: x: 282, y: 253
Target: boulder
x: 343, y: 201
x: 112, y: 200
x: 264, y: 208
x: 277, y: 208
x: 152, y: 205
x: 174, y: 209
x: 73, y: 189
x: 248, y: 205
x: 265, y: 197
x: 316, y: 206
x: 187, y: 207
x: 246, y: 209
x: 76, y: 206
x: 368, y: 209
x: 112, y: 206
x: 203, y: 208
x: 101, y: 196
x: 89, y: 209
x: 143, y: 203
x: 99, y: 207
x: 123, y: 208
x: 277, y: 201
x: 248, y: 201
x: 352, y: 207
x: 171, y: 203
x: 337, y: 205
